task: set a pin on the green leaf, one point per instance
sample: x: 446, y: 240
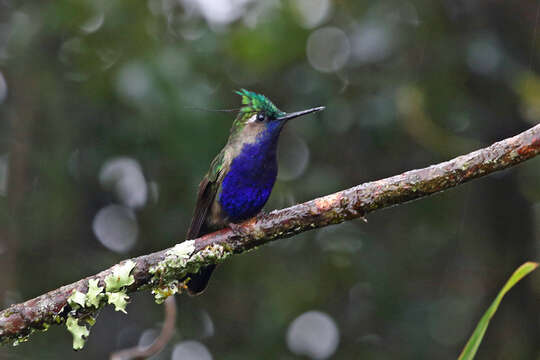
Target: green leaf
x: 80, y: 333
x: 94, y: 295
x: 119, y: 300
x: 470, y: 349
x: 120, y: 277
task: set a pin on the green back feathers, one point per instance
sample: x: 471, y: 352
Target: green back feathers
x: 254, y: 103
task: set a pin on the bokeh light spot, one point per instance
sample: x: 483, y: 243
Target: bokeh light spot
x: 312, y: 12
x: 296, y: 157
x: 116, y: 228
x: 70, y: 49
x: 147, y: 338
x: 328, y: 49
x: 94, y: 23
x: 4, y: 168
x: 124, y: 175
x: 313, y: 334
x: 208, y: 325
x: 190, y: 350
x: 371, y: 42
x: 3, y: 88
x: 218, y: 12
x: 133, y: 81
x: 483, y: 54
x: 406, y: 13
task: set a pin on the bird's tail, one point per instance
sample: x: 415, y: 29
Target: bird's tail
x: 199, y: 281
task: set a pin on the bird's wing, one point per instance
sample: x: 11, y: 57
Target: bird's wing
x: 207, y: 192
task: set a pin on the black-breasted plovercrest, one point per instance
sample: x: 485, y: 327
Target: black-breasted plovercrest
x: 242, y: 175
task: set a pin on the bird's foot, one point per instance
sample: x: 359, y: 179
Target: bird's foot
x: 237, y: 229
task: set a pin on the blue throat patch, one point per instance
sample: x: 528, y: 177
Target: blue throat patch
x: 252, y: 175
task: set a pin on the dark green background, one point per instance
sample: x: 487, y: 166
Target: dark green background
x: 406, y: 84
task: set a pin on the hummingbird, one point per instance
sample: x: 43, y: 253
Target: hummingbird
x: 242, y: 175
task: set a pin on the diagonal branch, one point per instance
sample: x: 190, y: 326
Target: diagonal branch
x: 160, y: 270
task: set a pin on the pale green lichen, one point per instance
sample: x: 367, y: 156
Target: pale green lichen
x: 175, y: 258
x: 94, y: 295
x: 118, y: 299
x: 172, y: 287
x: 178, y: 263
x: 115, y: 284
x: 90, y: 320
x: 120, y: 276
x: 24, y: 338
x: 211, y: 254
x: 76, y: 300
x: 79, y: 332
x: 20, y: 340
x: 163, y: 292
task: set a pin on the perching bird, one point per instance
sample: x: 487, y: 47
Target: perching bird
x: 242, y: 175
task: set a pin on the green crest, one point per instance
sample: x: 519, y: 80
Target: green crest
x: 254, y: 103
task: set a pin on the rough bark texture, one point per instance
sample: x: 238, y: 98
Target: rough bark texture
x: 21, y: 319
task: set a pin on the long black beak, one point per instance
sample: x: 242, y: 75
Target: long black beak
x: 300, y: 113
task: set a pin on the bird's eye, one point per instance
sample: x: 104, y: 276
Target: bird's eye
x: 261, y: 117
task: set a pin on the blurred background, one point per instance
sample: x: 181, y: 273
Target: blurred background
x: 101, y: 152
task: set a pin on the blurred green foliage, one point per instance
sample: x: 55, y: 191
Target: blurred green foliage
x: 97, y: 110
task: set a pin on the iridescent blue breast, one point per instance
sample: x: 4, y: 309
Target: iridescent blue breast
x: 250, y: 179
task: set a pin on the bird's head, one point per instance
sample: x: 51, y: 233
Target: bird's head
x: 258, y: 113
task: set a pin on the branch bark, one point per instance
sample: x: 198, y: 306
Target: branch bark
x: 164, y: 267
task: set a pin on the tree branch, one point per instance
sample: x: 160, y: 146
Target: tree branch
x: 161, y: 270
